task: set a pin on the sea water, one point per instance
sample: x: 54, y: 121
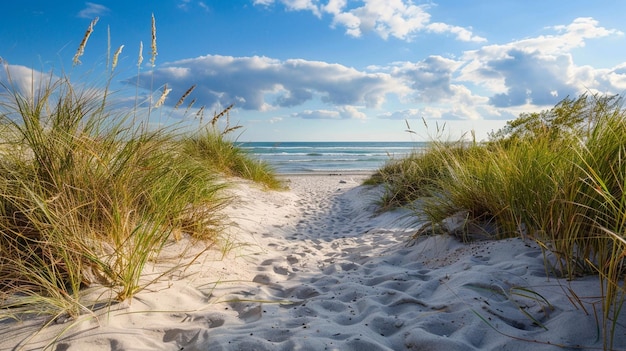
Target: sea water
x: 332, y: 157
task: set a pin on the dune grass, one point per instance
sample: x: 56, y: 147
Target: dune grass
x: 557, y: 177
x: 214, y: 148
x: 90, y: 195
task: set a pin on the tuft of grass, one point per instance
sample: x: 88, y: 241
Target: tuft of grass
x: 90, y: 195
x: 214, y: 148
x: 557, y: 177
x: 88, y: 199
x: 418, y: 174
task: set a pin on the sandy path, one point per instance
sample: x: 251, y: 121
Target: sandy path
x: 316, y: 269
x: 346, y: 281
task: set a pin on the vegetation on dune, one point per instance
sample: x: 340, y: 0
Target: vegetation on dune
x: 213, y: 148
x: 556, y: 176
x: 90, y: 195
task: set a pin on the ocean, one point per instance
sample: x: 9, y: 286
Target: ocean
x: 333, y: 157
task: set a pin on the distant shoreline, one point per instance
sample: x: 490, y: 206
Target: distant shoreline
x: 327, y: 173
x: 329, y: 157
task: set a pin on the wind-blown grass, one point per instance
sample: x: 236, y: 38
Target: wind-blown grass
x: 557, y: 177
x: 213, y: 147
x: 83, y: 193
x: 89, y: 196
x: 217, y: 152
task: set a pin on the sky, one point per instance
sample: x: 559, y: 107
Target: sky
x: 329, y: 70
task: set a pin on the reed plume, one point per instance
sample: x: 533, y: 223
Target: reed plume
x: 140, y: 57
x: 164, y: 94
x: 200, y: 114
x: 217, y: 116
x: 182, y: 98
x: 83, y: 43
x: 153, y: 45
x: 115, y: 57
x: 193, y: 101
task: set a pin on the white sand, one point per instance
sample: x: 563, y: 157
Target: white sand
x: 315, y: 268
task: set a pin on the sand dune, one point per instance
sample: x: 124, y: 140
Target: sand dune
x: 316, y: 268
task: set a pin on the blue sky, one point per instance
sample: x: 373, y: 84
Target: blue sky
x: 319, y: 70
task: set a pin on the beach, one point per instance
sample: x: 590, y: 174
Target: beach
x: 318, y: 267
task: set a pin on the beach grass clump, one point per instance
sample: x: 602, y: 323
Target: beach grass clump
x: 89, y: 195
x: 557, y: 177
x: 418, y: 174
x: 215, y: 148
x: 87, y: 198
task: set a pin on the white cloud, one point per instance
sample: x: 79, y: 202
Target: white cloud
x: 24, y: 80
x: 293, y: 5
x: 341, y: 112
x: 93, y: 10
x: 401, y: 19
x: 461, y: 33
x: 351, y: 112
x: 412, y: 113
x: 263, y: 2
x: 317, y: 114
x: 495, y: 82
x: 538, y: 71
x: 430, y: 79
x: 583, y: 28
x: 396, y: 18
x: 261, y: 83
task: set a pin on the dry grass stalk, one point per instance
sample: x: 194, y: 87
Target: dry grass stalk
x: 140, y: 58
x: 115, y: 57
x: 153, y: 46
x: 190, y: 105
x: 81, y: 47
x: 231, y: 129
x: 226, y: 111
x: 182, y: 98
x: 164, y: 94
x: 200, y: 114
x: 108, y: 45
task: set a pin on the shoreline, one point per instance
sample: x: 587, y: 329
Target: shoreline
x: 326, y: 174
x: 316, y: 267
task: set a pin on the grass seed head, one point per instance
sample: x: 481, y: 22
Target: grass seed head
x: 140, y: 57
x: 83, y: 43
x: 182, y: 98
x: 164, y: 94
x: 154, y: 45
x: 115, y: 57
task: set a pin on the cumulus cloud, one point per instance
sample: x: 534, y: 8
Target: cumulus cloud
x: 401, y: 19
x: 317, y: 114
x: 262, y: 83
x: 540, y: 70
x: 494, y: 82
x: 342, y: 112
x: 93, y: 10
x: 531, y: 81
x: 412, y: 113
x: 462, y: 34
x: 24, y: 80
x: 430, y: 79
x: 293, y: 5
x: 532, y: 78
x: 450, y: 112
